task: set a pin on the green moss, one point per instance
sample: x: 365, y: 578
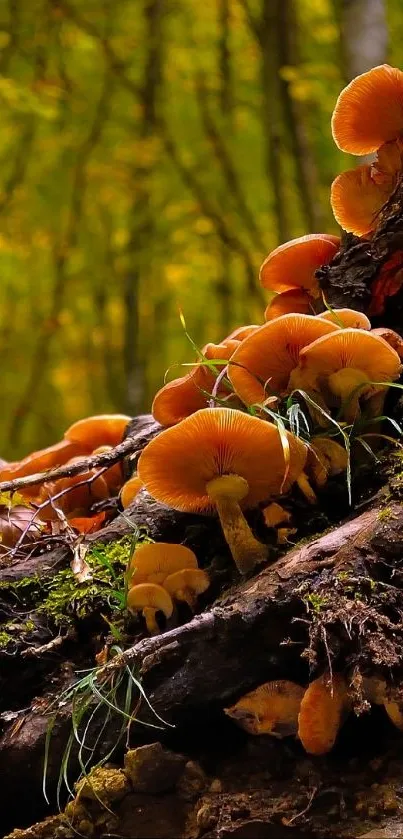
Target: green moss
x: 385, y: 513
x: 5, y: 639
x: 63, y: 598
x: 317, y: 601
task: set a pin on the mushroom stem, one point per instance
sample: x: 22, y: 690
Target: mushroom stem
x: 349, y: 384
x: 306, y: 488
x: 226, y: 492
x: 150, y: 619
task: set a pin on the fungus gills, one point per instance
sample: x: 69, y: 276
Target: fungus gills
x: 226, y: 492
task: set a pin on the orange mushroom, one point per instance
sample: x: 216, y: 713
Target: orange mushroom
x: 352, y: 363
x: 100, y: 430
x: 293, y: 264
x: 186, y: 585
x: 326, y: 457
x: 296, y: 301
x: 42, y: 460
x: 369, y: 111
x: 153, y: 562
x: 149, y: 598
x: 130, y: 490
x: 262, y: 364
x: 270, y: 709
x: 346, y: 318
x: 219, y: 458
x: 82, y: 493
x: 323, y: 706
x: 182, y: 397
x: 357, y: 199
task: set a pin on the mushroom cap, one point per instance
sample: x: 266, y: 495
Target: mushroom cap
x: 187, y: 394
x: 151, y: 595
x: 177, y: 465
x: 129, y: 490
x: 293, y: 264
x: 354, y: 349
x: 321, y: 712
x: 188, y: 578
x: 100, y: 430
x: 347, y: 318
x: 294, y: 301
x: 369, y: 111
x: 40, y: 461
x: 155, y: 561
x: 271, y: 353
x: 241, y: 332
x: 272, y: 708
x: 332, y: 454
x: 357, y: 199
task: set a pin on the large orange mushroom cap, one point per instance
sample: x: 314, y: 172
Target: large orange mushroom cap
x: 177, y: 465
x: 182, y: 397
x: 40, y: 461
x: 100, y: 430
x: 293, y: 264
x: 271, y: 353
x: 295, y: 301
x: 354, y: 349
x: 369, y: 111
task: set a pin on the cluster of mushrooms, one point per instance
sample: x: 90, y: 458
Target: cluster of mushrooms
x: 228, y: 444
x: 71, y: 498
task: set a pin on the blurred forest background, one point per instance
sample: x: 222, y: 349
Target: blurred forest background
x: 152, y: 153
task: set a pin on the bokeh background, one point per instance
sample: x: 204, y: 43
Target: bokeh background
x: 152, y: 153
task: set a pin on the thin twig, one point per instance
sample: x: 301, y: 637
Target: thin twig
x: 129, y: 446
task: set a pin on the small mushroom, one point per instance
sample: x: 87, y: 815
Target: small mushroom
x: 270, y: 709
x: 99, y: 430
x: 346, y: 318
x: 323, y: 707
x: 368, y: 111
x: 294, y: 301
x: 130, y: 490
x: 154, y: 562
x: 262, y: 364
x: 220, y: 458
x: 149, y: 598
x: 357, y: 198
x: 182, y: 397
x: 186, y: 585
x: 293, y: 264
x: 353, y: 363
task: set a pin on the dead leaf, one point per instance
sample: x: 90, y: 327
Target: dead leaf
x: 78, y: 565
